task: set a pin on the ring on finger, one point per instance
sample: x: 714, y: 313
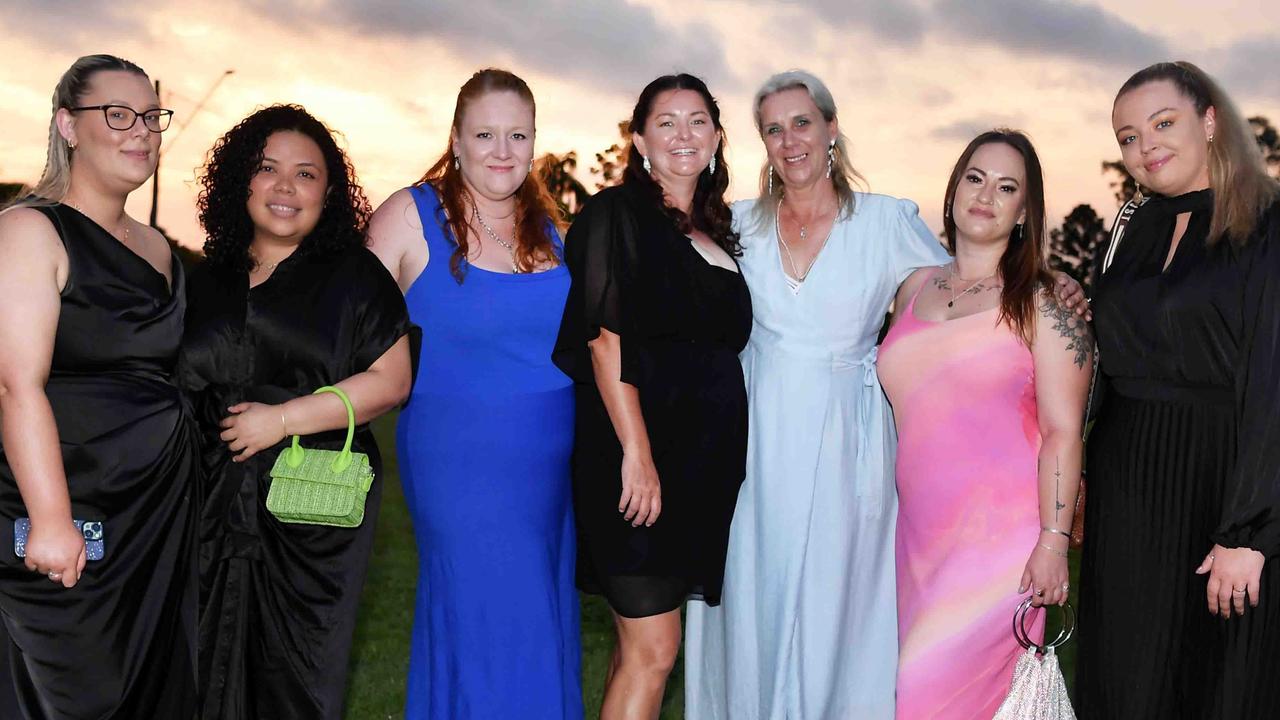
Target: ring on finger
x: 54, y: 576
x: 1040, y: 593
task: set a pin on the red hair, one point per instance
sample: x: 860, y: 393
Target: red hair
x: 535, y: 208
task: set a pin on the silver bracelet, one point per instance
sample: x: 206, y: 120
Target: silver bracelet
x: 1055, y: 531
x: 1055, y: 552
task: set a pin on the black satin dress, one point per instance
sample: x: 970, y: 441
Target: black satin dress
x: 120, y: 645
x: 1185, y: 453
x: 682, y: 323
x: 278, y: 601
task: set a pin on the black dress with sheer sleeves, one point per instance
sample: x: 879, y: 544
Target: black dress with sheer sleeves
x: 1185, y: 453
x: 682, y: 323
x: 278, y: 600
x: 121, y: 644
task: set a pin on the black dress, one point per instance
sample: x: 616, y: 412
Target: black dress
x: 682, y: 323
x: 120, y: 644
x: 1185, y: 453
x: 278, y: 601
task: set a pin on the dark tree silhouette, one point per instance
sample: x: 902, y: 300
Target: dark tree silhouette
x: 1073, y: 247
x: 1121, y: 182
x: 611, y: 162
x: 9, y: 191
x: 1269, y: 140
x: 557, y: 172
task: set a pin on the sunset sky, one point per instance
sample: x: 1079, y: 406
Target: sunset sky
x: 914, y: 80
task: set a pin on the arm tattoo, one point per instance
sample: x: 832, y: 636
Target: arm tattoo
x: 1069, y: 326
x: 1057, y: 484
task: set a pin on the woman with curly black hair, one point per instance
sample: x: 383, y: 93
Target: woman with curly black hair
x: 288, y: 301
x: 656, y: 316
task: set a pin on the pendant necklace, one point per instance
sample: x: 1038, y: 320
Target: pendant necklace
x: 795, y: 279
x: 972, y: 288
x: 511, y: 250
x: 123, y: 240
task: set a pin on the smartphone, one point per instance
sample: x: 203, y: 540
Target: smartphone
x: 92, y: 529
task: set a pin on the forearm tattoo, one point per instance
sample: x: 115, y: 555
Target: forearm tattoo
x: 1070, y: 326
x: 1057, y: 486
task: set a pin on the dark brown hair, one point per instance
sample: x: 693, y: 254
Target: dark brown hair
x: 1023, y: 269
x: 535, y: 209
x: 1242, y: 189
x: 709, y: 211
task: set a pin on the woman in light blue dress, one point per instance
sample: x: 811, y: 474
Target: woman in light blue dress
x: 808, y: 624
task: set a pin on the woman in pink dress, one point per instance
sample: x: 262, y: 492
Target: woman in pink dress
x: 987, y: 373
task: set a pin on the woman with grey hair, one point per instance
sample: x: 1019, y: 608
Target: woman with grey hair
x: 808, y: 625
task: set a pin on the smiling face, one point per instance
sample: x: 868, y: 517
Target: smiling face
x: 1164, y: 142
x: 679, y: 137
x: 796, y: 136
x: 494, y: 144
x: 117, y: 160
x: 287, y: 193
x: 990, y: 197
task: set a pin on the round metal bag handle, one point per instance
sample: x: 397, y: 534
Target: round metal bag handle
x: 1024, y: 638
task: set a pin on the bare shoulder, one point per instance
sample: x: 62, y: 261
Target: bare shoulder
x: 26, y: 233
x: 396, y: 221
x: 1060, y: 328
x: 914, y: 282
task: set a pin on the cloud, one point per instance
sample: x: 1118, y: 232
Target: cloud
x: 79, y: 24
x: 1246, y: 68
x: 610, y: 44
x: 1048, y: 27
x: 969, y: 128
x: 895, y: 21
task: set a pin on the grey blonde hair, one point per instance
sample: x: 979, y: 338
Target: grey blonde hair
x: 843, y: 175
x: 71, y: 89
x: 1242, y: 189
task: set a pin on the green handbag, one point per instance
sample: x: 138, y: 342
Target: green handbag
x: 321, y: 487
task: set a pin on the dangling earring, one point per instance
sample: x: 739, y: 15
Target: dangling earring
x: 946, y: 210
x: 456, y: 164
x: 531, y: 165
x: 1137, y: 195
x: 831, y: 157
x: 648, y: 166
x: 712, y: 166
x: 1017, y: 230
x: 770, y: 179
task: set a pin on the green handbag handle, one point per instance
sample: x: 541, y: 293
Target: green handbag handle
x: 294, y: 454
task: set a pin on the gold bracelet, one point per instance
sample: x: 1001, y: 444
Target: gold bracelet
x: 1055, y: 552
x: 283, y: 427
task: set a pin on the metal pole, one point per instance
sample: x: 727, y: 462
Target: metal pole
x: 155, y: 181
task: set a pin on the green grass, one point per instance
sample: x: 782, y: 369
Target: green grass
x: 380, y: 657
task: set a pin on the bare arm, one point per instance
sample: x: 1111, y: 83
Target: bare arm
x: 253, y: 427
x: 907, y: 290
x: 33, y: 269
x: 395, y: 236
x: 641, y: 499
x: 1063, y: 357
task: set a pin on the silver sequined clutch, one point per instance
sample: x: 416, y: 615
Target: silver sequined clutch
x: 1038, y: 691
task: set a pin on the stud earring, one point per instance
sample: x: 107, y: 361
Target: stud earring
x: 831, y: 157
x: 648, y: 166
x: 712, y: 166
x: 771, y: 179
x: 71, y: 145
x: 457, y: 164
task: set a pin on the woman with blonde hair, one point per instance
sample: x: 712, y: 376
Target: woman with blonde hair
x: 1180, y: 604
x: 99, y: 457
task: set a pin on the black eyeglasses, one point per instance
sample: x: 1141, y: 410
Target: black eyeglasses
x: 123, y: 117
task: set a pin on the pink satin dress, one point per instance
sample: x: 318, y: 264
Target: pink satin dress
x: 964, y: 403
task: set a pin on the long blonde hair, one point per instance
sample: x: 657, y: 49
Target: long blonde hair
x: 843, y: 175
x: 1242, y: 189
x: 71, y: 89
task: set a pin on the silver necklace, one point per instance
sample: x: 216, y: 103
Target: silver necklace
x: 511, y: 249
x: 798, y: 279
x: 123, y: 241
x: 972, y: 288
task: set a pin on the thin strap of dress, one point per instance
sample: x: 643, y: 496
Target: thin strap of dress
x: 911, y: 306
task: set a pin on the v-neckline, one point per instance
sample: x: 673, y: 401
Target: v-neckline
x: 167, y: 281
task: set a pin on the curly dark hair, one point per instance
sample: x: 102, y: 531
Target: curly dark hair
x: 710, y: 212
x: 224, y: 190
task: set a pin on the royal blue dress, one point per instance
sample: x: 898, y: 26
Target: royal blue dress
x: 484, y: 447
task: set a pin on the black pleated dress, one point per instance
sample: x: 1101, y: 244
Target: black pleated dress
x: 1185, y: 453
x: 682, y: 323
x: 278, y: 601
x: 120, y: 645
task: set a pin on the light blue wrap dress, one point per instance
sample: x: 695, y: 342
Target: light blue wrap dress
x: 808, y: 625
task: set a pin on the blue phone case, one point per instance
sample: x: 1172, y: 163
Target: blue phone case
x: 92, y: 530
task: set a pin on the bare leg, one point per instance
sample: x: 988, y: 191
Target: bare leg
x: 646, y: 653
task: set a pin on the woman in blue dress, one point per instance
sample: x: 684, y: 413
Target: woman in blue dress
x: 485, y: 441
